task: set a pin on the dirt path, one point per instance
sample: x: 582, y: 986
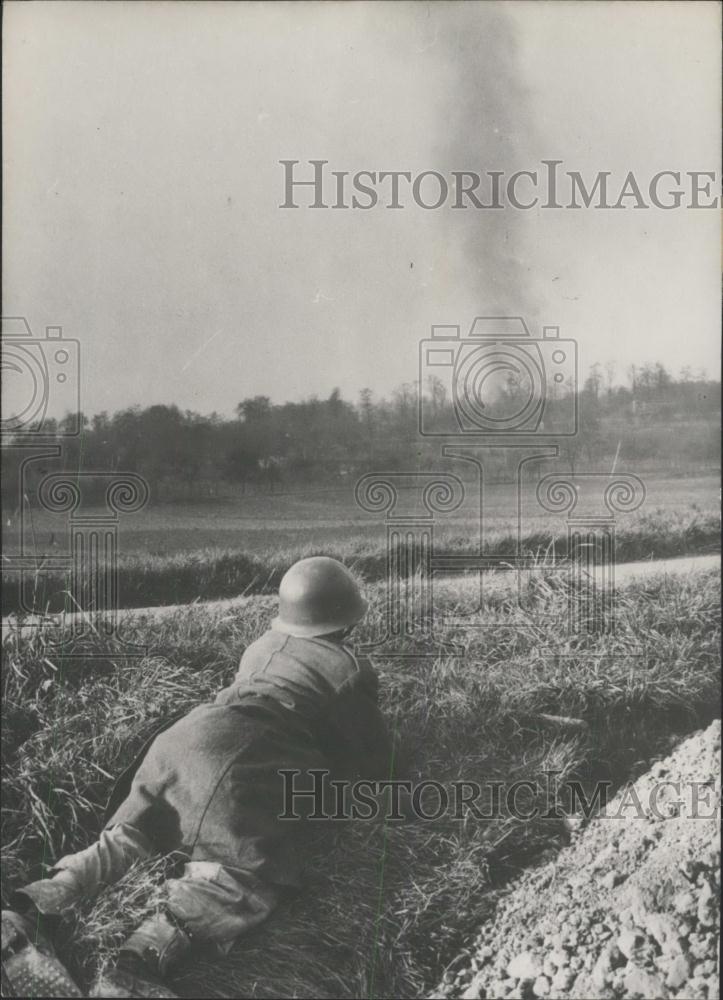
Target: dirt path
x: 624, y: 573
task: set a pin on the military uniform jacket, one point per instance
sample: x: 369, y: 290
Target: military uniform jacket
x: 209, y: 786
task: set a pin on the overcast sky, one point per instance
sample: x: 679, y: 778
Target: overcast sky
x: 142, y: 186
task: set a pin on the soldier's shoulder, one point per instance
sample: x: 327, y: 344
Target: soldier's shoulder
x: 270, y: 639
x: 260, y: 651
x: 340, y: 663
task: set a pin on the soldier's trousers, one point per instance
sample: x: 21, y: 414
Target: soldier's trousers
x: 213, y: 903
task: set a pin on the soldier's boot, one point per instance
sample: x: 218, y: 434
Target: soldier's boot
x: 30, y: 966
x: 144, y: 961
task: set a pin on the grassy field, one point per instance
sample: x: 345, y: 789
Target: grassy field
x: 387, y: 906
x: 176, y: 553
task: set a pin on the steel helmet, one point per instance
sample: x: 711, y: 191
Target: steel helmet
x: 316, y: 596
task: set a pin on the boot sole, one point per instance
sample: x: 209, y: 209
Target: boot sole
x: 28, y: 971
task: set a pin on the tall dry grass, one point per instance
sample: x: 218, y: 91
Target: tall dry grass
x: 386, y: 906
x: 207, y: 574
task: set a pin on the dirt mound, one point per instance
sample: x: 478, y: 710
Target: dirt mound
x: 629, y: 910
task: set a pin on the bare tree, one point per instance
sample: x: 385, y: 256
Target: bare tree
x: 437, y: 393
x: 610, y: 369
x: 366, y: 406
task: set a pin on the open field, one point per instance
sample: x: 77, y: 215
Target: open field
x: 174, y: 553
x: 387, y: 907
x: 261, y: 523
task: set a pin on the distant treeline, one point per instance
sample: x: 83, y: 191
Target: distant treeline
x: 653, y: 419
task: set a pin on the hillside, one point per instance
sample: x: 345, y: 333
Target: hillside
x: 630, y: 909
